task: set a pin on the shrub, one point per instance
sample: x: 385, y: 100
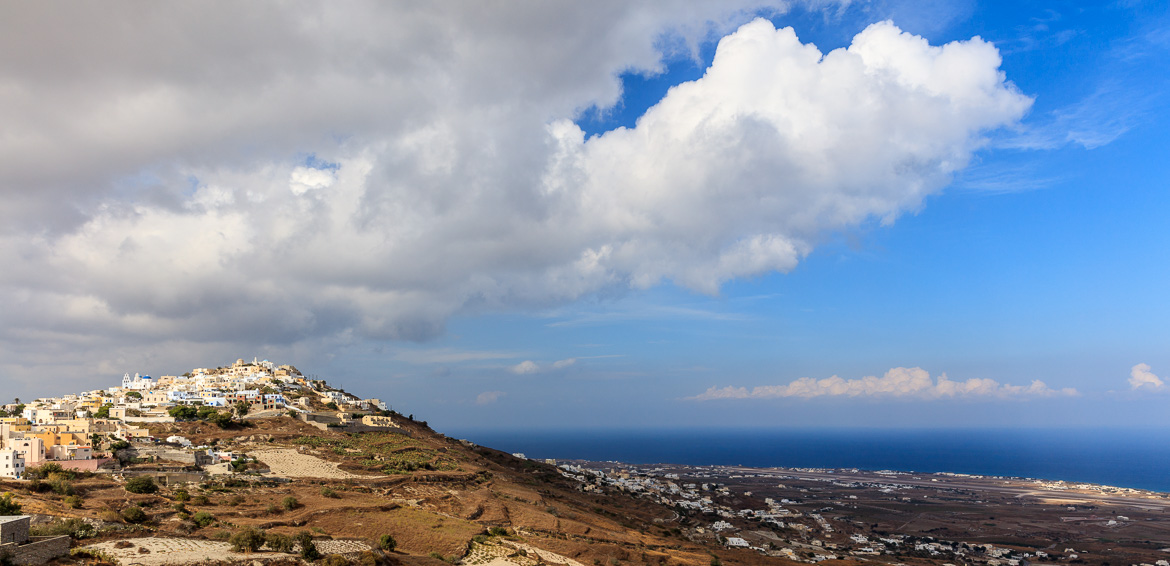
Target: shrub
x: 75, y: 528
x: 247, y: 539
x: 387, y: 543
x: 141, y: 484
x: 498, y: 531
x: 134, y: 514
x: 201, y: 500
x: 308, y: 549
x: 222, y: 420
x: 182, y: 495
x: 44, y: 471
x: 289, y: 503
x: 203, y: 518
x: 221, y: 535
x: 368, y: 558
x: 61, y: 486
x: 278, y: 542
x: 326, y: 492
x: 183, y: 412
x: 119, y: 445
x: 335, y: 560
x: 73, y: 501
x: 8, y: 506
x: 236, y: 500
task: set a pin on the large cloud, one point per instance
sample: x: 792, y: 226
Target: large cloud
x: 1140, y: 377
x: 898, y: 382
x: 271, y: 175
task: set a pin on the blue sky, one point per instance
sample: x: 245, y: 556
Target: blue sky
x: 513, y: 235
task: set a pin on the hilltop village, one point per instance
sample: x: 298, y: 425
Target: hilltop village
x: 78, y: 431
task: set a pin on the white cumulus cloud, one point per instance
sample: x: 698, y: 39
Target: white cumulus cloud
x: 529, y: 366
x: 525, y: 367
x: 897, y: 382
x: 1140, y: 377
x: 147, y: 207
x: 488, y: 397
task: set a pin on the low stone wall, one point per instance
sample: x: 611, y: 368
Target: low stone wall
x: 168, y: 477
x: 173, y: 454
x: 39, y: 551
x: 83, y: 465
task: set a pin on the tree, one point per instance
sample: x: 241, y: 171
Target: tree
x: 8, y: 506
x: 141, y: 484
x: 183, y: 412
x: 289, y: 503
x: 221, y: 419
x: 134, y: 395
x: 308, y: 549
x: 242, y: 408
x: 104, y: 412
x: 205, y: 412
x: 387, y: 543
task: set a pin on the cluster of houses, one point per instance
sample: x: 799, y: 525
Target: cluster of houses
x: 65, y: 429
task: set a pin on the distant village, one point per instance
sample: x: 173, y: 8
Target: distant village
x: 808, y: 535
x: 80, y: 431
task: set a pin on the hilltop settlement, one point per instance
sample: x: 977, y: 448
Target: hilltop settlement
x: 255, y: 463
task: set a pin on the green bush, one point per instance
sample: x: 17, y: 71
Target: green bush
x: 222, y: 420
x: 335, y: 560
x: 141, y: 484
x: 203, y: 518
x: 61, y: 486
x: 326, y: 492
x: 75, y: 528
x: 73, y: 501
x: 308, y: 549
x: 290, y: 503
x: 134, y: 514
x: 182, y: 495
x: 183, y: 412
x: 247, y: 539
x: 277, y: 542
x: 8, y: 505
x: 387, y: 543
x: 498, y: 531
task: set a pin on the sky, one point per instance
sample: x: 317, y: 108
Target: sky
x: 601, y: 214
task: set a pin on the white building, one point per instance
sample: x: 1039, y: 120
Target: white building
x: 11, y: 463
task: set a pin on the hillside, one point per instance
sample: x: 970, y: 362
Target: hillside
x: 436, y: 496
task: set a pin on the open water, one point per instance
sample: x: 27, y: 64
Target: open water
x: 1118, y: 457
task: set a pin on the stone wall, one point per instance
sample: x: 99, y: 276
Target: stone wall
x: 195, y: 458
x: 39, y: 551
x: 14, y: 529
x: 85, y: 465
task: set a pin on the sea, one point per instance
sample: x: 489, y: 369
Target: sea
x: 1135, y: 458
